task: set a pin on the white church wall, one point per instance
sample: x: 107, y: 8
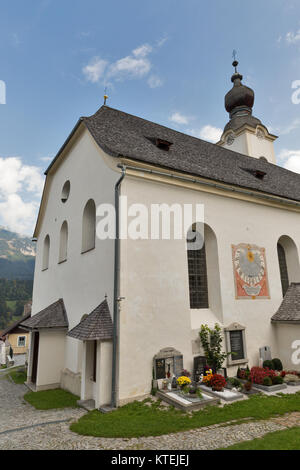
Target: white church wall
x: 154, y: 281
x: 50, y: 359
x: 287, y: 335
x: 84, y: 279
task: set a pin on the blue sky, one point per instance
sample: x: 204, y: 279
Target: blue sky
x: 168, y: 61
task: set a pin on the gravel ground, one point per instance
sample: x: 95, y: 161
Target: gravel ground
x: 47, y: 433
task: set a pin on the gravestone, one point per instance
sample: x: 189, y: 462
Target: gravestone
x: 167, y: 361
x: 199, y: 367
x: 265, y: 353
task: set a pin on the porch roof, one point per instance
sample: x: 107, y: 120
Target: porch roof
x: 16, y: 324
x: 97, y: 325
x: 289, y: 310
x: 53, y: 316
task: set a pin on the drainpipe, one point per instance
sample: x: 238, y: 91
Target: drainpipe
x: 116, y: 291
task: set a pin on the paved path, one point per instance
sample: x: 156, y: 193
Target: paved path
x: 24, y: 427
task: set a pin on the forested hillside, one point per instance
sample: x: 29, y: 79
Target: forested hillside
x: 13, y: 295
x: 17, y: 256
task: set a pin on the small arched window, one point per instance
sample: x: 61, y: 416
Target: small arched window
x: 63, y: 242
x: 89, y: 226
x: 284, y: 276
x: 65, y: 191
x: 197, y: 274
x: 46, y: 253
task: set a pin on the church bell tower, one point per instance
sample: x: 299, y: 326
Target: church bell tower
x: 244, y: 133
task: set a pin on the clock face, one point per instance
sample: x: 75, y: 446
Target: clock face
x: 250, y: 271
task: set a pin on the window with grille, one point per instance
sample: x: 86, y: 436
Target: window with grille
x: 21, y: 341
x: 283, y: 269
x: 198, y: 278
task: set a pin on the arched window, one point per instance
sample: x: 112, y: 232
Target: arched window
x: 46, y: 252
x: 197, y: 271
x: 284, y: 276
x: 63, y: 242
x: 89, y: 226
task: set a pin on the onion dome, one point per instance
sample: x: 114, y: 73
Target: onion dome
x: 239, y: 103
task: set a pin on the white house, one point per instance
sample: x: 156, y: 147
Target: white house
x: 104, y: 309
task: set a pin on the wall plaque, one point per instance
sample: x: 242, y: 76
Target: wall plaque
x: 236, y: 345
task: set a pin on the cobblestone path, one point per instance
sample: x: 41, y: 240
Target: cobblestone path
x: 24, y: 427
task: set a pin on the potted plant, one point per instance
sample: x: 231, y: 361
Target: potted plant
x: 248, y: 386
x: 218, y: 382
x: 183, y: 381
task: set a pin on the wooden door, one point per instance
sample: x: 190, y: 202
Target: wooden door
x: 35, y: 357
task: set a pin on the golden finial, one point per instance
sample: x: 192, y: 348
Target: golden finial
x: 105, y: 97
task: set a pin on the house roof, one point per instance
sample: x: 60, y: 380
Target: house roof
x: 123, y: 135
x: 289, y: 310
x: 53, y: 316
x: 97, y: 325
x: 14, y: 325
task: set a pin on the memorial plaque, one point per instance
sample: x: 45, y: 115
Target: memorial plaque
x: 178, y: 365
x: 160, y: 369
x: 236, y: 345
x: 199, y: 367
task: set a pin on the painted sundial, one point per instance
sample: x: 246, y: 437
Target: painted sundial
x: 250, y: 271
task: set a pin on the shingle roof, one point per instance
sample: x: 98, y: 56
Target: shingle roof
x: 122, y: 134
x: 289, y: 310
x: 53, y: 316
x: 97, y: 325
x: 16, y: 324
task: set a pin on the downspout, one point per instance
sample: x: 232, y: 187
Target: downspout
x: 116, y: 291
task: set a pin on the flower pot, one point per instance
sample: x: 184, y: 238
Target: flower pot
x: 217, y: 389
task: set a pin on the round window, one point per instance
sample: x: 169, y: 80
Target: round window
x: 65, y: 191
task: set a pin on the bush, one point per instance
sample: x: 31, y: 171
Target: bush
x: 234, y: 381
x: 258, y: 374
x: 269, y: 364
x: 277, y: 364
x: 277, y: 380
x: 267, y: 381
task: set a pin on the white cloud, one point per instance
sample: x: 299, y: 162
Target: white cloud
x: 154, y: 81
x: 46, y: 159
x: 18, y: 183
x: 210, y: 133
x: 142, y: 51
x: 95, y: 69
x: 290, y: 159
x: 129, y: 67
x: 293, y: 38
x: 133, y: 66
x: 295, y: 124
x: 179, y: 118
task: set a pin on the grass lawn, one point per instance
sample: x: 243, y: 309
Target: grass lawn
x: 3, y: 367
x: 288, y: 439
x: 141, y: 419
x: 51, y: 399
x: 19, y: 376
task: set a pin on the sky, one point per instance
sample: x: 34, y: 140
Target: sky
x: 168, y: 61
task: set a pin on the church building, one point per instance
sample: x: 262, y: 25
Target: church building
x: 105, y: 309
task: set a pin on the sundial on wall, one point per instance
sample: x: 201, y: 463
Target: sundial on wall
x: 250, y: 272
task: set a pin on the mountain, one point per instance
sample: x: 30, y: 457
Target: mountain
x: 17, y: 255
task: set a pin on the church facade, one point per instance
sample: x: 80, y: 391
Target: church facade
x: 104, y: 308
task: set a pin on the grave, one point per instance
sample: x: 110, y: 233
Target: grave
x: 227, y: 395
x: 184, y: 402
x: 166, y: 363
